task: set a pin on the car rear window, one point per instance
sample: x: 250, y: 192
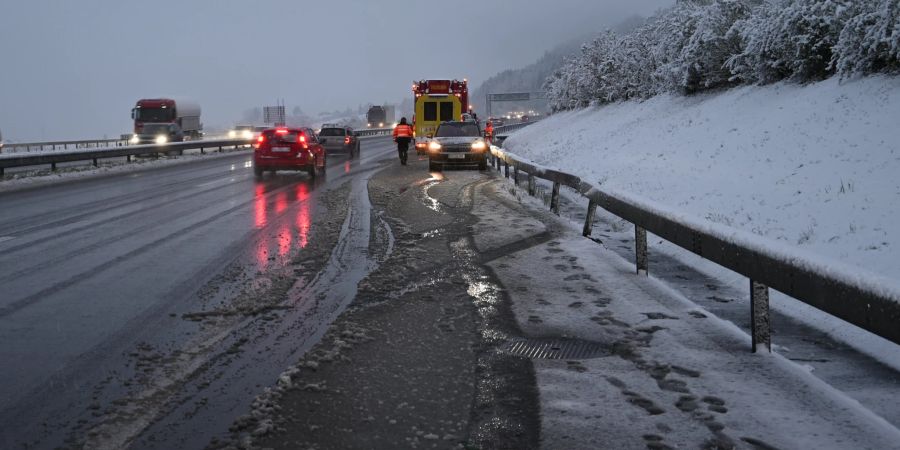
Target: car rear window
x: 290, y: 136
x: 332, y: 132
x: 458, y: 130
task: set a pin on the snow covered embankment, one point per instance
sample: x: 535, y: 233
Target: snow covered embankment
x: 813, y: 166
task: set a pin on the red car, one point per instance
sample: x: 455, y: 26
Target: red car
x: 285, y: 148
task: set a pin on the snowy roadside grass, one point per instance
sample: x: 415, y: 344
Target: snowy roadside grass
x: 676, y: 375
x: 41, y: 177
x: 810, y: 166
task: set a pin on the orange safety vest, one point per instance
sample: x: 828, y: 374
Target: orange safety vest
x: 403, y: 130
x: 489, y: 130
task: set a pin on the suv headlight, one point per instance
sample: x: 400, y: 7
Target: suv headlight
x: 479, y: 146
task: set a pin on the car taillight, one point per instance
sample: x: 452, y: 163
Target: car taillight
x: 347, y: 140
x: 259, y: 141
x: 301, y: 138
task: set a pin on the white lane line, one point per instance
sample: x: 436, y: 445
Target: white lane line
x: 6, y: 238
x: 214, y: 182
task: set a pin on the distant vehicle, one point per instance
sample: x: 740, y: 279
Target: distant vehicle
x: 457, y: 143
x: 497, y: 122
x: 158, y: 133
x: 243, y: 131
x: 156, y: 111
x: 376, y: 117
x: 437, y: 101
x: 390, y: 116
x: 284, y: 148
x: 525, y: 119
x: 339, y: 138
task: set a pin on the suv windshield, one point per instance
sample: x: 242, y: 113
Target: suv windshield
x: 331, y: 132
x: 457, y: 129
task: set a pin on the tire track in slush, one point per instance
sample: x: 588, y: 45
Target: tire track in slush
x: 313, y: 307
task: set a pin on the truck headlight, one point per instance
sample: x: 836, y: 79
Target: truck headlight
x: 247, y: 134
x: 434, y: 146
x: 162, y: 140
x: 479, y: 146
x: 135, y: 139
x: 232, y: 134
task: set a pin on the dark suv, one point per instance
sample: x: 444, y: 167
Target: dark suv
x: 457, y: 143
x: 288, y: 149
x: 339, y: 138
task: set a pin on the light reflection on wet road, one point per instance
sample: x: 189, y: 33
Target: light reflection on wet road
x: 70, y: 328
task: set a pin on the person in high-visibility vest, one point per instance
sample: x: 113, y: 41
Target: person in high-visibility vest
x: 403, y: 135
x: 489, y: 130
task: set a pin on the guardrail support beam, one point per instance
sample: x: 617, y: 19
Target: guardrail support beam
x: 640, y: 250
x: 554, y: 198
x: 516, y: 175
x: 506, y: 169
x: 95, y: 163
x: 589, y: 219
x: 760, y: 325
x: 53, y: 167
x: 531, y: 189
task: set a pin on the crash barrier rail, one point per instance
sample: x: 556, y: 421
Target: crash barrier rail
x: 121, y: 142
x: 501, y: 132
x: 95, y: 154
x: 866, y: 300
x: 373, y: 132
x: 63, y: 145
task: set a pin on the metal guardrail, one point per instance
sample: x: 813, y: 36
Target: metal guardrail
x: 95, y: 154
x: 105, y: 143
x: 64, y: 145
x: 868, y: 301
x: 8, y: 160
x: 373, y: 132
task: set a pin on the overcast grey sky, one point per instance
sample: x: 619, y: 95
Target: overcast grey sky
x: 73, y: 69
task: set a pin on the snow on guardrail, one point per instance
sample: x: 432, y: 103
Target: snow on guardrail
x: 855, y: 295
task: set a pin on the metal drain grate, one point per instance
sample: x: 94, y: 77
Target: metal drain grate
x: 554, y: 348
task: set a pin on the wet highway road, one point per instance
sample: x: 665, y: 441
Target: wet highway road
x: 146, y: 307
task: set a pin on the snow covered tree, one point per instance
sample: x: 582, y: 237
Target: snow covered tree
x: 699, y: 45
x: 789, y: 39
x: 870, y: 41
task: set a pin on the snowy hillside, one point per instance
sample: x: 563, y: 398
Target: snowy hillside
x: 814, y: 166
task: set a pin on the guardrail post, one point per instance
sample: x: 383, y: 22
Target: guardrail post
x: 53, y: 167
x: 531, y: 189
x: 760, y: 325
x: 554, y: 198
x: 127, y: 158
x: 201, y: 151
x: 95, y: 162
x: 640, y: 250
x: 506, y: 168
x: 589, y: 220
x: 516, y: 175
